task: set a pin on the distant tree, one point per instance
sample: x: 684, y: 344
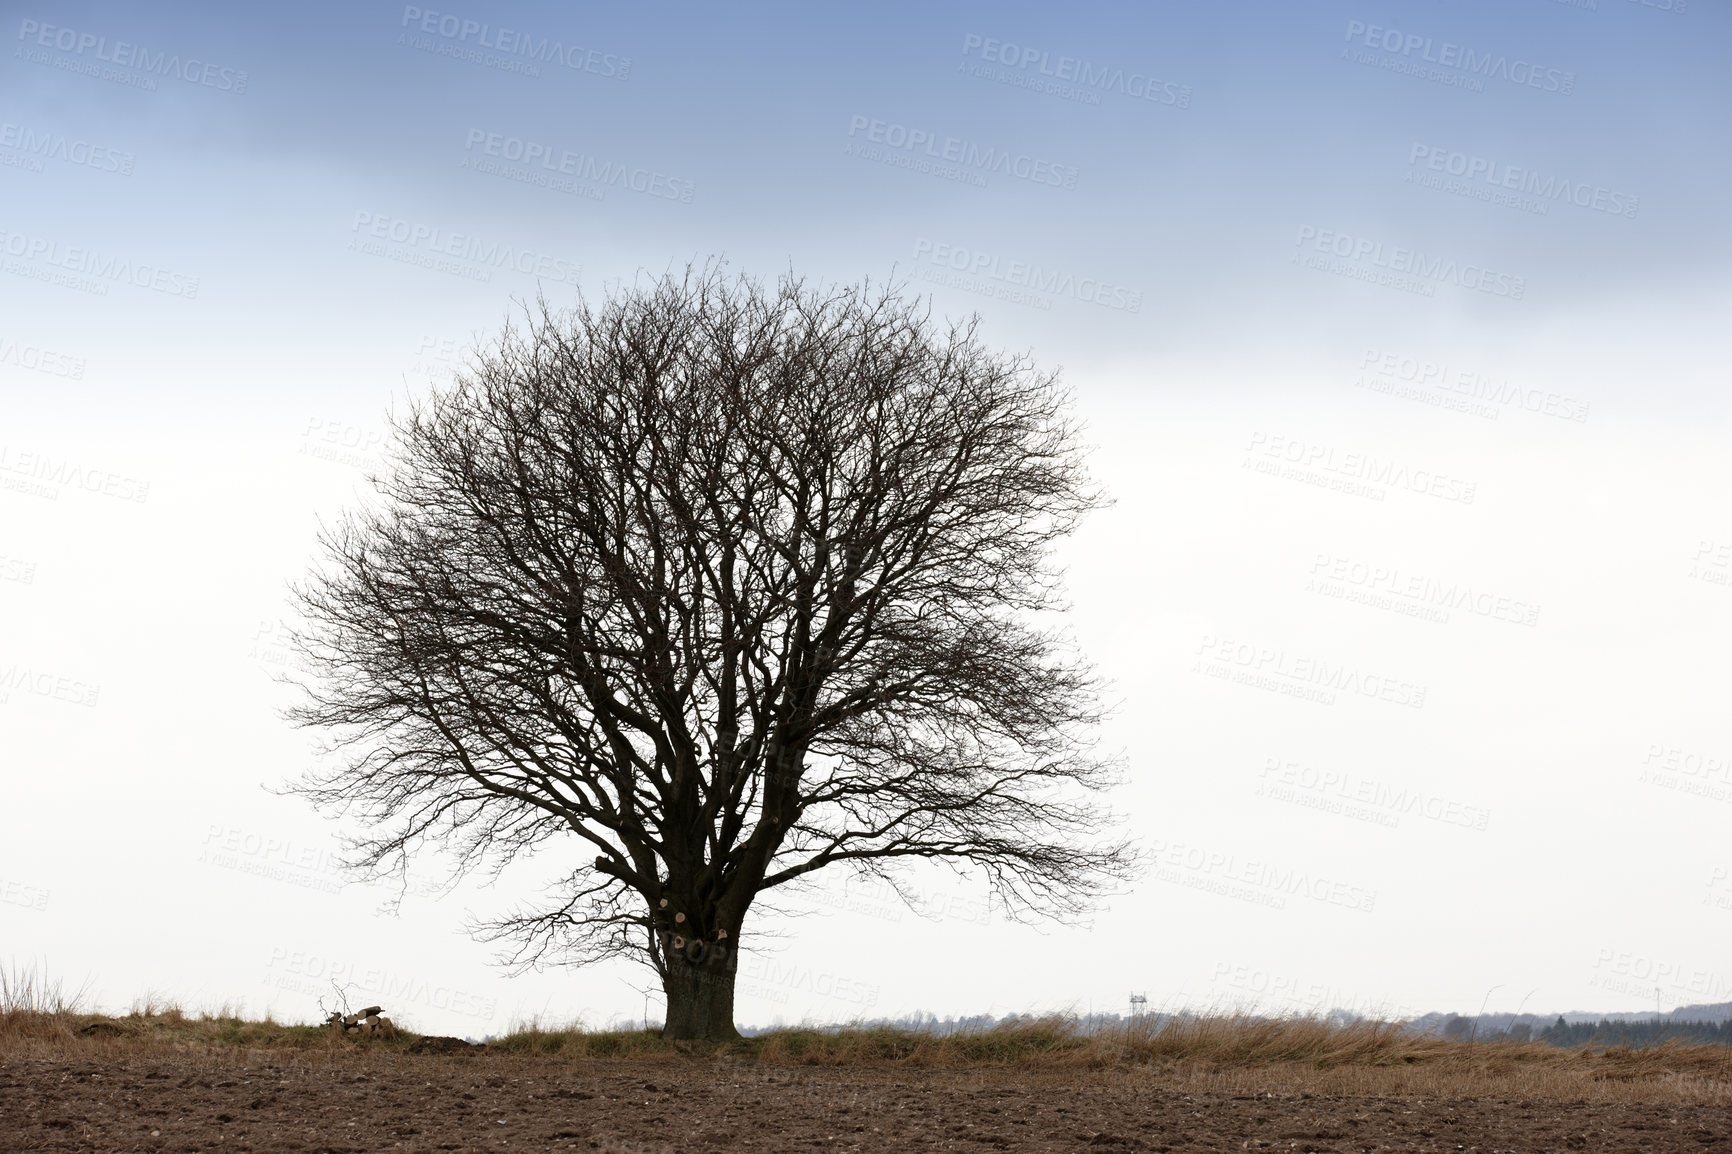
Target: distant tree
x: 729, y: 584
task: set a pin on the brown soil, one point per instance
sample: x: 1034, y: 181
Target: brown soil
x: 487, y: 1100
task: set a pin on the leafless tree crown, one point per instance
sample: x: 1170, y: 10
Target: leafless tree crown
x: 734, y: 582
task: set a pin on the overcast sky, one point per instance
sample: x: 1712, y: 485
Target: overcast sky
x: 1400, y: 329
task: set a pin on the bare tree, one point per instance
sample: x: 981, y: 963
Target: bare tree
x: 733, y: 583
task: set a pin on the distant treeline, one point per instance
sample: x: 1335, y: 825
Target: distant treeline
x: 1631, y: 1031
x: 1650, y: 1033
x: 1605, y: 1032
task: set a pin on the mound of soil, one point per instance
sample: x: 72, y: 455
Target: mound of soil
x: 102, y: 1030
x: 444, y: 1046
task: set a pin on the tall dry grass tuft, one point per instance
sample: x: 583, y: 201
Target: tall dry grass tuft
x: 35, y: 1006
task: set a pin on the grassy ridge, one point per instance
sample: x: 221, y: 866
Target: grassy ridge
x: 1230, y: 1051
x: 1219, y: 1041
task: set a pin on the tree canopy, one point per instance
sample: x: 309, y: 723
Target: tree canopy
x: 727, y: 583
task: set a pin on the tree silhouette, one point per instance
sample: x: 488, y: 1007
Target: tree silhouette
x: 732, y: 583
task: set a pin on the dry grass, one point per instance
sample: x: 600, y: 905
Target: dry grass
x: 1210, y: 1054
x: 1226, y: 1054
x: 38, y: 1019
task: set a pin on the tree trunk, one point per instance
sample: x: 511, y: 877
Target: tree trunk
x: 700, y: 994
